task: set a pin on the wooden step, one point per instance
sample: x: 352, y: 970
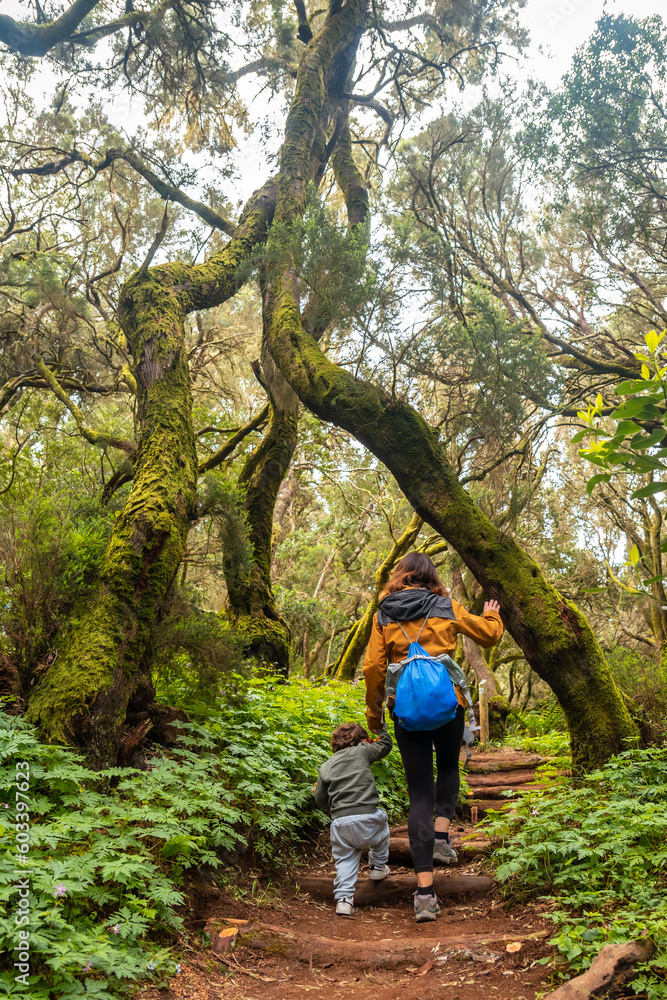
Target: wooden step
x: 509, y: 778
x: 400, y: 853
x: 490, y: 766
x: 500, y: 792
x: 385, y: 952
x: 396, y: 887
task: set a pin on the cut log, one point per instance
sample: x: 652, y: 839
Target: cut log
x: 492, y: 792
x: 387, y: 952
x: 610, y: 971
x: 492, y: 766
x: 400, y: 853
x: 509, y: 778
x: 397, y: 887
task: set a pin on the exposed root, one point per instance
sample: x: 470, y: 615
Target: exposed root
x: 610, y: 971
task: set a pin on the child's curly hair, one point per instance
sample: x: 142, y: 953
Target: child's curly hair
x: 348, y: 735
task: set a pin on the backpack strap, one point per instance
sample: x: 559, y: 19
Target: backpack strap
x: 404, y: 632
x: 435, y: 597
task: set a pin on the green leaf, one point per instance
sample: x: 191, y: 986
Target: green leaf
x: 650, y: 490
x: 624, y: 428
x: 642, y: 440
x: 634, y: 555
x: 601, y: 477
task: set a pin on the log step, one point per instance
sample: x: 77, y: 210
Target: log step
x: 500, y: 792
x: 492, y: 766
x: 400, y: 854
x: 510, y: 779
x: 396, y: 887
x: 385, y: 952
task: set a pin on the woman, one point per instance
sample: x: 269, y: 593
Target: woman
x: 414, y: 593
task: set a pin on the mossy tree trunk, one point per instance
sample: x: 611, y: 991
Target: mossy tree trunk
x: 84, y: 696
x: 554, y: 635
x: 250, y: 593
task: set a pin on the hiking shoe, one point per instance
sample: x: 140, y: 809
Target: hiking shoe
x: 444, y: 852
x: 377, y: 872
x: 345, y: 907
x: 426, y: 907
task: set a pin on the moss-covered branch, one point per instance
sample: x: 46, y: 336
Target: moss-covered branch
x: 249, y: 590
x: 167, y: 191
x: 554, y: 635
x: 230, y: 445
x: 99, y: 438
x: 37, y: 39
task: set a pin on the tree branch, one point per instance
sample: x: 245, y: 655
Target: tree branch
x: 37, y: 39
x: 165, y: 190
x: 228, y: 447
x: 98, y: 438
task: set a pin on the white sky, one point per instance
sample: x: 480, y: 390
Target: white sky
x: 558, y: 27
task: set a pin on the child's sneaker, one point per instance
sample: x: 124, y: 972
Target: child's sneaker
x: 377, y: 872
x: 426, y: 907
x: 444, y: 852
x: 345, y: 907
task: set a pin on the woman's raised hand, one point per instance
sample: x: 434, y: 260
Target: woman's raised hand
x: 491, y: 606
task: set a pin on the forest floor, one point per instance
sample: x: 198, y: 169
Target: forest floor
x: 283, y: 941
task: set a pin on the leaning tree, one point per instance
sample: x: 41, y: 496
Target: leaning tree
x: 352, y: 74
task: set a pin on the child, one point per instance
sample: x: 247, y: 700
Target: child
x: 346, y: 786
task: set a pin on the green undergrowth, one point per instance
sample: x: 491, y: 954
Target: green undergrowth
x: 109, y: 851
x: 596, y: 851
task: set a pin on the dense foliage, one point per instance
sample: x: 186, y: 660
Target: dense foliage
x: 109, y: 850
x: 596, y: 852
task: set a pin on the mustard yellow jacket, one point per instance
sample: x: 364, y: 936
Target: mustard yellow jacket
x: 388, y: 644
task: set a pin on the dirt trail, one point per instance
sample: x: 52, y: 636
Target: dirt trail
x: 289, y: 945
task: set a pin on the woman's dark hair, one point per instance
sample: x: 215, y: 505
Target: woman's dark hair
x: 414, y: 570
x: 348, y: 735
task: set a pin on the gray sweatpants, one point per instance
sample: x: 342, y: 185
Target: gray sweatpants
x: 350, y: 835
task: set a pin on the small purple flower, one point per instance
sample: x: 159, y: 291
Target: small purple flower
x: 59, y: 890
x: 178, y: 967
x: 5, y: 806
x: 88, y: 967
x: 116, y: 929
x: 151, y: 965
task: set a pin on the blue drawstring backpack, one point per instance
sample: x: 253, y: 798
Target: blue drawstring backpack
x: 425, y: 696
x: 423, y: 688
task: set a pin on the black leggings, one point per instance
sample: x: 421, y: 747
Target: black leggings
x: 416, y: 750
